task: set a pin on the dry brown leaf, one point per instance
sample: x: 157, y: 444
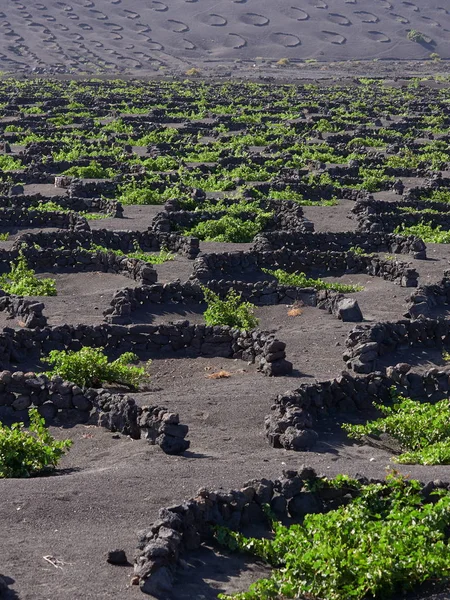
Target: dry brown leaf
x: 218, y: 375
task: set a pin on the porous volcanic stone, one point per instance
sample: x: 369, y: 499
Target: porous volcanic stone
x: 348, y: 310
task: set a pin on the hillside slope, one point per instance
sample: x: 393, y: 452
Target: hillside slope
x: 121, y: 35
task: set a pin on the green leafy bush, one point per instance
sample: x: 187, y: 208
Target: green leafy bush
x: 422, y: 430
x: 50, y: 206
x: 234, y: 209
x: 371, y: 142
x: 90, y: 367
x: 250, y: 173
x: 438, y: 196
x: 428, y: 233
x: 212, y: 182
x: 93, y: 171
x: 384, y: 542
x: 161, y: 163
x: 373, y: 180
x: 231, y: 311
x: 156, y: 258
x: 118, y: 126
x: 24, y: 453
x: 358, y: 251
x: 300, y: 280
x: 13, y: 128
x: 326, y: 125
x: 8, y: 163
x: 415, y: 211
x: 287, y: 194
x: 32, y: 110
x: 134, y: 192
x: 93, y: 216
x: 415, y: 36
x: 22, y: 281
x: 202, y: 155
x: 229, y: 228
x: 290, y: 194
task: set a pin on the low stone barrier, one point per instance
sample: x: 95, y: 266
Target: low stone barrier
x: 340, y: 242
x: 125, y: 241
x: 92, y: 189
x: 126, y: 300
x: 163, y: 428
x: 370, y: 206
x: 426, y: 191
x: 365, y: 344
x: 63, y: 402
x: 102, y: 205
x: 30, y: 312
x: 387, y: 222
x: 293, y: 178
x: 294, y: 414
x: 79, y: 260
x: 428, y: 297
x: 199, y: 340
x: 118, y: 412
x: 229, y: 264
x: 22, y: 217
x: 286, y: 215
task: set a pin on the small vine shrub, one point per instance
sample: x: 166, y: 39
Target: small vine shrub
x: 421, y: 429
x: 22, y: 281
x: 432, y: 235
x: 93, y: 171
x: 231, y: 311
x: 415, y: 36
x: 301, y: 280
x: 229, y: 228
x: 358, y: 251
x: 90, y: 367
x: 156, y: 258
x: 50, y: 207
x: 8, y: 163
x: 27, y: 452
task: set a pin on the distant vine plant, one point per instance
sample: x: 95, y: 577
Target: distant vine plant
x: 231, y: 311
x: 24, y: 453
x: 90, y: 367
x: 22, y: 281
x: 384, y: 542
